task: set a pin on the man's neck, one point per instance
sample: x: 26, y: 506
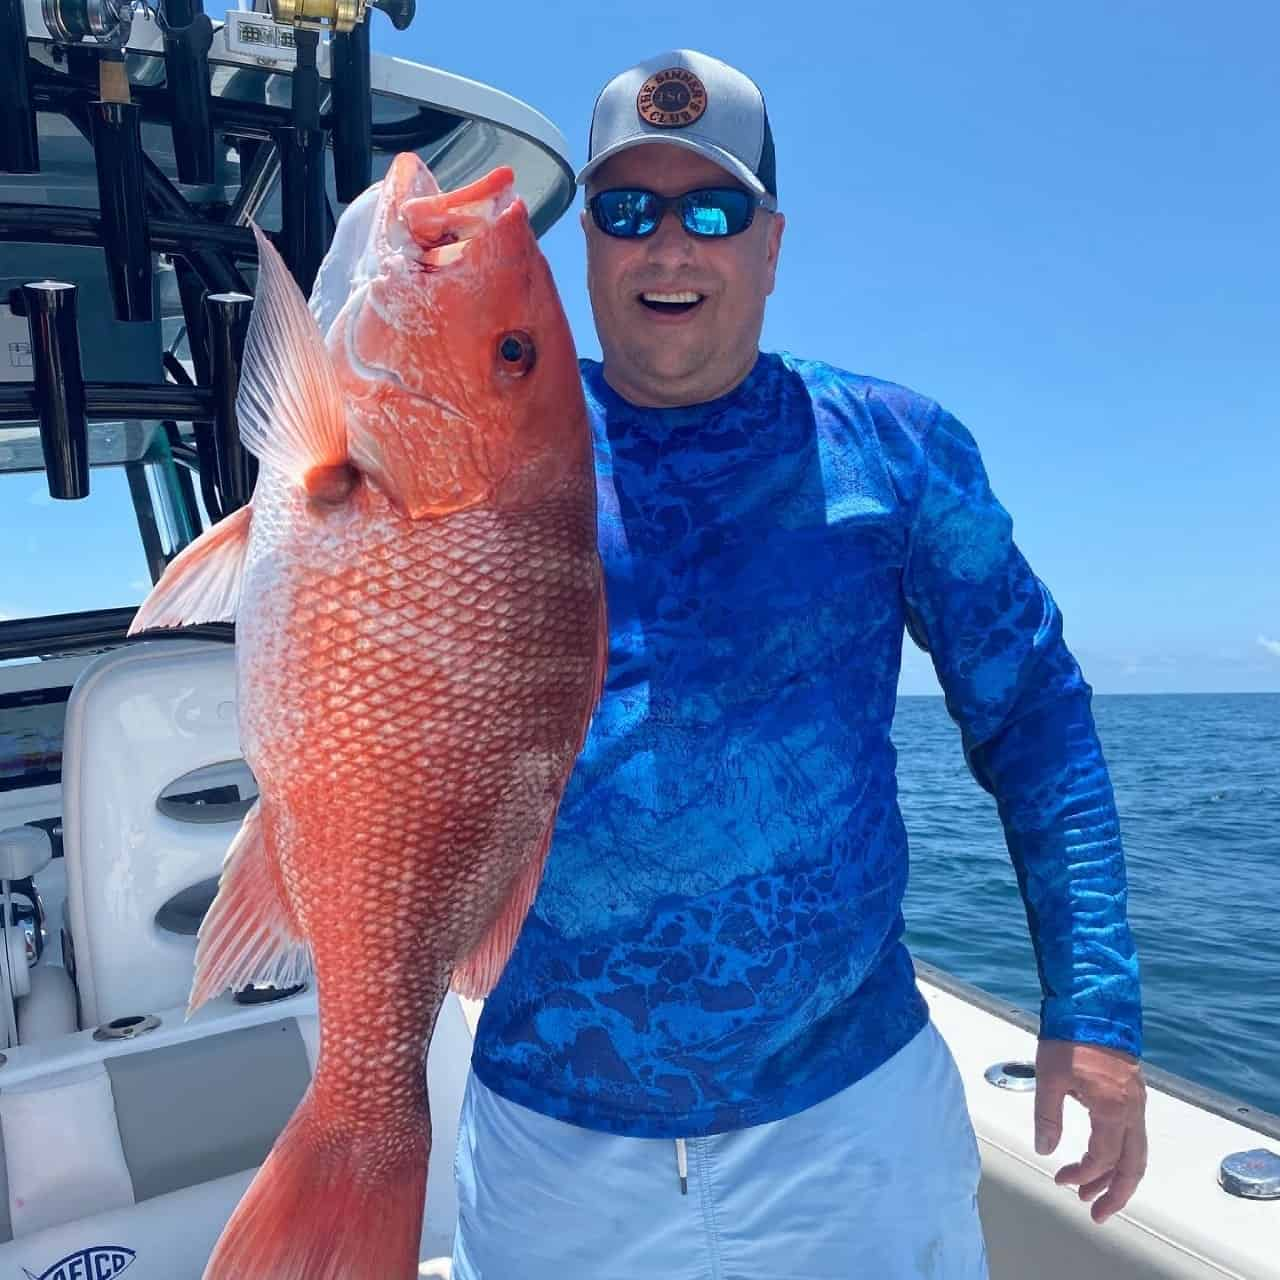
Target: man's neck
x: 664, y: 396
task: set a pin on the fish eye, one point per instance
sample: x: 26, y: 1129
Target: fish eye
x: 516, y: 353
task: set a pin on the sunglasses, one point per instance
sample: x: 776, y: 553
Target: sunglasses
x: 630, y: 213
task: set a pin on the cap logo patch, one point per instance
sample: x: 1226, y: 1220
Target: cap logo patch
x: 671, y: 99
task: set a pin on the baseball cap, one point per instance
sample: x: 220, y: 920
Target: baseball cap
x: 689, y: 100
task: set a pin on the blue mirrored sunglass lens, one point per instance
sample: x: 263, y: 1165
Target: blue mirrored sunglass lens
x: 716, y: 213
x: 626, y: 213
x: 707, y: 221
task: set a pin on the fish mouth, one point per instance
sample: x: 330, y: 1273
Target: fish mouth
x: 441, y: 225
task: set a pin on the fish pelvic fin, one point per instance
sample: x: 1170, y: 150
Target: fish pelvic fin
x: 249, y: 933
x: 334, y: 1200
x: 202, y: 583
x: 290, y: 407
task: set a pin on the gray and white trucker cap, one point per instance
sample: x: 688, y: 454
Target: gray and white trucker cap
x: 689, y: 100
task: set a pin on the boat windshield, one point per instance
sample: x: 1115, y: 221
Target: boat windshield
x: 99, y: 552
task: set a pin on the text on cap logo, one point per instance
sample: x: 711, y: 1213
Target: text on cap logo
x: 671, y: 99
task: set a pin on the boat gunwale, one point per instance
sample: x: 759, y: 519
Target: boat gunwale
x: 1214, y: 1101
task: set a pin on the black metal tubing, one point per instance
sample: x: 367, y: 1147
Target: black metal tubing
x: 228, y: 323
x: 19, y: 148
x: 145, y: 511
x: 304, y: 83
x: 352, y: 111
x: 176, y: 370
x: 187, y: 39
x: 54, y: 224
x: 187, y: 461
x: 216, y: 268
x: 117, y: 151
x: 191, y: 290
x: 66, y: 93
x: 304, y: 232
x: 259, y: 171
x: 58, y: 386
x: 108, y: 401
x: 63, y: 93
x: 210, y: 248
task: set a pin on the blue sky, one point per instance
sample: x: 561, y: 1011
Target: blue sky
x: 1062, y: 222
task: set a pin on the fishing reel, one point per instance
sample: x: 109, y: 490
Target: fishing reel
x: 106, y: 22
x: 339, y: 15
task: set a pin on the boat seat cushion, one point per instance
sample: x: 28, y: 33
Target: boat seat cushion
x: 62, y: 1149
x: 140, y: 1125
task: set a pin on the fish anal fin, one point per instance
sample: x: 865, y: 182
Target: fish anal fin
x: 478, y: 973
x: 249, y: 933
x: 202, y: 584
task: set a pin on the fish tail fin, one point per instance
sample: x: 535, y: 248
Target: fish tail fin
x: 332, y: 1201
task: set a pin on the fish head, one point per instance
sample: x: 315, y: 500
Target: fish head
x: 453, y: 352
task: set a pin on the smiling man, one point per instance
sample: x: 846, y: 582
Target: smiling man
x: 708, y: 1057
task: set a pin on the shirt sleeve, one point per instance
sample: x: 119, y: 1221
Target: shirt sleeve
x: 994, y: 634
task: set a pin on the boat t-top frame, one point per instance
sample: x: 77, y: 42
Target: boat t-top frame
x: 193, y: 130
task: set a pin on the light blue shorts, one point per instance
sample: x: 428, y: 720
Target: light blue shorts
x: 878, y: 1182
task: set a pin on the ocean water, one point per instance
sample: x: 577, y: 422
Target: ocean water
x: 1197, y: 781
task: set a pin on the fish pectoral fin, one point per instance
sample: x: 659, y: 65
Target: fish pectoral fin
x: 477, y: 974
x: 202, y: 584
x: 290, y: 407
x: 249, y: 933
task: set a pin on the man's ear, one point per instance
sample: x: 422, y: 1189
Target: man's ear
x: 773, y: 249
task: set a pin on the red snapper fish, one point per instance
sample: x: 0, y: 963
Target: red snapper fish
x: 420, y: 644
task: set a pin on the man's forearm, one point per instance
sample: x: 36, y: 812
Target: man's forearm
x: 1056, y: 802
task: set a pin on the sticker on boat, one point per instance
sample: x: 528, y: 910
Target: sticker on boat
x: 98, y: 1262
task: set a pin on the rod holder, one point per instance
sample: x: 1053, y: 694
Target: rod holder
x: 352, y: 112
x: 187, y: 39
x: 19, y: 149
x: 304, y: 225
x: 227, y: 320
x: 304, y: 84
x: 126, y: 238
x: 59, y: 386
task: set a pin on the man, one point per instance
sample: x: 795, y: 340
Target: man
x: 707, y: 1056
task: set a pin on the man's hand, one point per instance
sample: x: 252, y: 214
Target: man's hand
x: 1109, y: 1085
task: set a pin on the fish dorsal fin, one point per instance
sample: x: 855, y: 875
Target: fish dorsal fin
x: 290, y: 406
x: 202, y: 583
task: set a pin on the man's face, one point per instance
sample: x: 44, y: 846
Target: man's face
x: 663, y: 357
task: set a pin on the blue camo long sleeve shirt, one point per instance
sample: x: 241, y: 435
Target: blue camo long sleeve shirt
x: 717, y: 940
